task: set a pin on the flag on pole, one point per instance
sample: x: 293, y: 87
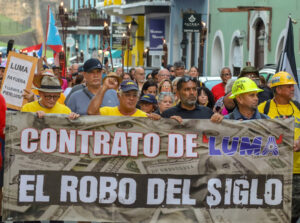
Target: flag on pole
x: 287, y: 60
x: 53, y: 38
x: 38, y: 49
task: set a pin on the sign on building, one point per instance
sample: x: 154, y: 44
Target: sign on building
x: 191, y: 22
x: 117, y: 33
x: 157, y: 34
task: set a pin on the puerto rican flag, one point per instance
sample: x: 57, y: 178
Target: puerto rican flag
x: 53, y: 39
x: 36, y: 49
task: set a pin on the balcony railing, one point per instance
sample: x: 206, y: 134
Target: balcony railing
x: 85, y: 17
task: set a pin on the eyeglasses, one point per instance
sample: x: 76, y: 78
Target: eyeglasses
x: 172, y: 71
x: 226, y: 74
x: 54, y: 97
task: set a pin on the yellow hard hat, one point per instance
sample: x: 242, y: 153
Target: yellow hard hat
x: 282, y: 78
x: 244, y: 85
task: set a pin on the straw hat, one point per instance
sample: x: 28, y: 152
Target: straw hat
x: 47, y: 83
x: 114, y: 75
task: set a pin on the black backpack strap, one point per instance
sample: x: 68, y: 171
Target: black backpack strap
x: 297, y: 104
x: 267, y: 107
x: 87, y: 93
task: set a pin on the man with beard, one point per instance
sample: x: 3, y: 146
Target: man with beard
x: 188, y: 108
x: 244, y: 92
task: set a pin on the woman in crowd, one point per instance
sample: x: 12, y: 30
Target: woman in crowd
x: 205, y: 97
x: 131, y: 72
x: 165, y: 101
x: 148, y: 103
x: 174, y: 85
x: 165, y: 86
x: 149, y: 87
x: 193, y: 72
x: 127, y: 76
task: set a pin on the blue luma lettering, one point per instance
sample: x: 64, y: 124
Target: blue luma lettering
x: 245, y: 147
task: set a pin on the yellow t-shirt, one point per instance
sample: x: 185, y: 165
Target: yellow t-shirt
x: 35, y: 106
x: 61, y: 99
x: 114, y: 111
x: 286, y: 110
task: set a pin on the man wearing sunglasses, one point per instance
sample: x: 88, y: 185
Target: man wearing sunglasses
x: 188, y: 107
x: 219, y: 89
x: 282, y: 106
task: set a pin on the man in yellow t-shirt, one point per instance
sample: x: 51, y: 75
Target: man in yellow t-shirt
x: 128, y: 96
x: 282, y: 106
x: 33, y: 94
x: 49, y: 88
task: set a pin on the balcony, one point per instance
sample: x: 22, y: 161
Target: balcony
x: 85, y: 17
x: 91, y: 17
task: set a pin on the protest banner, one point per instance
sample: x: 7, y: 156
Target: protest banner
x: 18, y: 76
x: 126, y: 169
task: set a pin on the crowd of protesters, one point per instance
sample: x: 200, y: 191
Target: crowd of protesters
x: 172, y: 92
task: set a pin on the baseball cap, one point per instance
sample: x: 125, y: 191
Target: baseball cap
x: 128, y: 85
x: 92, y: 64
x: 248, y: 70
x: 149, y: 98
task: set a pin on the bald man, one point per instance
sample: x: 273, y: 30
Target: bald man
x: 163, y: 74
x: 139, y: 77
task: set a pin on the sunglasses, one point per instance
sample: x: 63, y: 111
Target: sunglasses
x: 189, y: 78
x: 226, y: 74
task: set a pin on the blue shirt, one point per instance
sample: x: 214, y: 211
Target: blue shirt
x: 236, y: 115
x: 80, y: 100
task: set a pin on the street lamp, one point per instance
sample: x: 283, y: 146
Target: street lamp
x: 202, y: 41
x: 239, y: 39
x: 165, y: 50
x: 76, y: 51
x: 134, y: 26
x: 64, y: 19
x: 81, y: 56
x: 261, y: 38
x: 128, y: 34
x: 123, y: 43
x: 106, y: 38
x: 183, y: 44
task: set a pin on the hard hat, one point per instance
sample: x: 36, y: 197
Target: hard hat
x: 282, y: 78
x: 244, y: 85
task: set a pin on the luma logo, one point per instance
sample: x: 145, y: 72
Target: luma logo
x: 244, y: 146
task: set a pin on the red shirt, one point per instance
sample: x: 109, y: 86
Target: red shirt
x: 218, y: 91
x: 2, y: 125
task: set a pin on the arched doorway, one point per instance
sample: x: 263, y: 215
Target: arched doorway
x: 260, y: 38
x: 216, y: 57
